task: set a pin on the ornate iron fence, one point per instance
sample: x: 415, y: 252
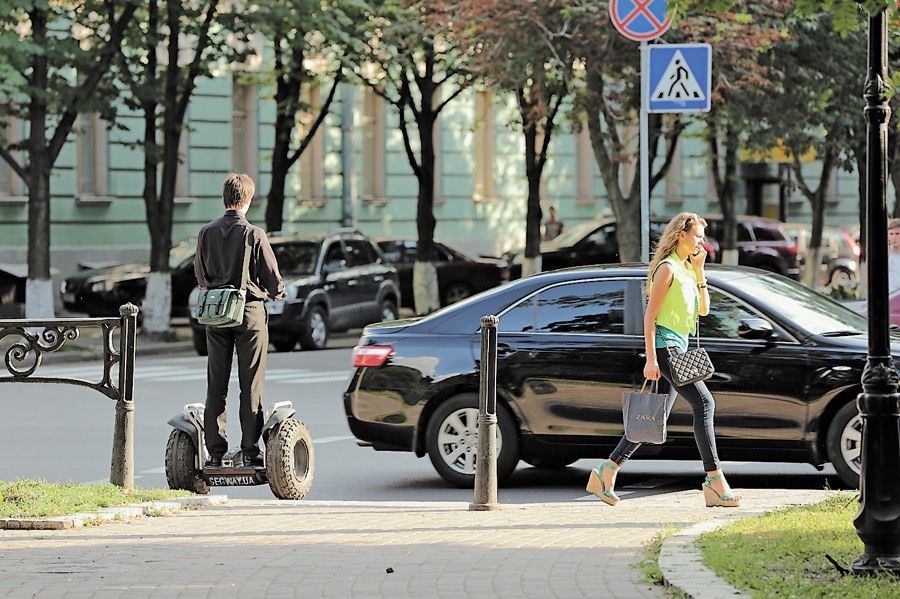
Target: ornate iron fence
x: 35, y: 338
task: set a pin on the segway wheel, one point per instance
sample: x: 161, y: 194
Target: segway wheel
x: 181, y: 464
x: 290, y: 462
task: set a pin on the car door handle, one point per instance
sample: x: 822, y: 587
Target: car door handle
x: 352, y: 282
x: 504, y: 350
x: 379, y: 278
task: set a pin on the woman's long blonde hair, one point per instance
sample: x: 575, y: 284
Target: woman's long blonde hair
x: 668, y: 241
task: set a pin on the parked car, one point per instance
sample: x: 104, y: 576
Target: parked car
x: 761, y: 243
x: 101, y: 291
x: 458, y: 275
x: 862, y: 307
x: 334, y: 282
x: 788, y: 369
x: 590, y: 242
x: 840, y: 253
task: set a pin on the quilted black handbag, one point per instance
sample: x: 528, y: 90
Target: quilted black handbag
x: 692, y: 366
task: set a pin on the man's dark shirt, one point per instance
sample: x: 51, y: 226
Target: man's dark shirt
x: 220, y: 257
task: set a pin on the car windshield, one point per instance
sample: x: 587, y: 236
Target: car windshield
x: 181, y: 251
x: 575, y: 234
x: 296, y: 257
x: 808, y: 309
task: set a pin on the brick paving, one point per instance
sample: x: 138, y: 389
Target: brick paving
x: 278, y: 549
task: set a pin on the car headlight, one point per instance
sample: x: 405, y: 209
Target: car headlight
x: 103, y: 286
x: 62, y: 287
x: 192, y: 302
x: 276, y: 307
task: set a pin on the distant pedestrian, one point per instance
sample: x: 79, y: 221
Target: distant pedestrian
x: 894, y: 254
x: 219, y: 261
x: 678, y: 296
x: 553, y: 226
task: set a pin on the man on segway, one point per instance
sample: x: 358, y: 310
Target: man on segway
x: 233, y: 253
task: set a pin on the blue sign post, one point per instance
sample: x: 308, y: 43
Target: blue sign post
x: 680, y: 78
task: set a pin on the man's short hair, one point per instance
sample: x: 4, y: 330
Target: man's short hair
x: 237, y: 190
x: 894, y: 223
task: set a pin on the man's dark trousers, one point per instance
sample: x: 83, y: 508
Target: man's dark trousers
x: 251, y: 338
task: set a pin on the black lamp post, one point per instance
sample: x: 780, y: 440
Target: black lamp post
x: 878, y: 520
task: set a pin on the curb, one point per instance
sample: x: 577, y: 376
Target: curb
x: 164, y: 507
x: 681, y: 563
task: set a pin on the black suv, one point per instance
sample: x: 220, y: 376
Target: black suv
x: 334, y: 282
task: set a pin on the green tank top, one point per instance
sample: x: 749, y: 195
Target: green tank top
x: 681, y: 304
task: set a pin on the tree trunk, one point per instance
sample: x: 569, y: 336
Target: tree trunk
x: 38, y: 286
x: 533, y: 214
x: 425, y: 287
x: 725, y: 188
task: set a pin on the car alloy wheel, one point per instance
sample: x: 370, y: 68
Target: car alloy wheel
x: 456, y: 292
x: 451, y: 440
x: 844, y: 444
x: 388, y: 311
x: 316, y: 334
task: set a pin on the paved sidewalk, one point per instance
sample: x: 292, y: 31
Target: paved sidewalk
x: 275, y: 549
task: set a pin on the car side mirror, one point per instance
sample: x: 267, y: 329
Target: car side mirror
x: 334, y: 266
x: 755, y: 328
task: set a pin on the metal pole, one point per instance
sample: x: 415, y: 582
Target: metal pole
x: 121, y: 471
x: 486, y: 451
x: 878, y: 520
x: 645, y: 153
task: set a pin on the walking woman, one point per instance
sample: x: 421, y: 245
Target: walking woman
x: 678, y: 295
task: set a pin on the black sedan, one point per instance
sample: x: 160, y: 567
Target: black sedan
x: 101, y: 291
x: 459, y: 275
x: 788, y: 368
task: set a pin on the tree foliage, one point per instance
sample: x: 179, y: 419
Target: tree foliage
x: 55, y: 64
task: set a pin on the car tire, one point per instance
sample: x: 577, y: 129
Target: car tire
x: 549, y: 463
x: 283, y: 344
x: 315, y: 333
x: 199, y: 340
x: 455, y: 292
x: 181, y: 464
x: 844, y: 444
x: 290, y: 461
x: 388, y: 311
x: 841, y: 275
x: 451, y: 440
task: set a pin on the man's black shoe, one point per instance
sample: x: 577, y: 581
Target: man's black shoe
x: 214, y: 462
x: 252, y: 462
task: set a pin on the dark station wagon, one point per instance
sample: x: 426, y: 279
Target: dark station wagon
x: 788, y: 369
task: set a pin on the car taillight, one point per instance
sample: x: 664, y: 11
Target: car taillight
x: 371, y: 355
x: 853, y: 244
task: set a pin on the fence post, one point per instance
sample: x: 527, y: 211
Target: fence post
x: 486, y: 453
x: 121, y: 472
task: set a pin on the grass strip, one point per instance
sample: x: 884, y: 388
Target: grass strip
x: 786, y: 554
x: 38, y: 499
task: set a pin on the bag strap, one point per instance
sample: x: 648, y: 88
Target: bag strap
x: 245, y: 268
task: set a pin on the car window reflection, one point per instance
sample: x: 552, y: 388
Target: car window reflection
x: 296, y: 258
x: 595, y: 307
x: 724, y: 316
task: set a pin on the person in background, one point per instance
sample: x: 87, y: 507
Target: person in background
x: 219, y: 262
x: 553, y: 227
x: 894, y: 254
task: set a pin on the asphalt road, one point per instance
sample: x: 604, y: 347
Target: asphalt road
x: 64, y: 433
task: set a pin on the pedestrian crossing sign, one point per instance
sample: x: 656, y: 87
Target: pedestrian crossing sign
x: 680, y: 77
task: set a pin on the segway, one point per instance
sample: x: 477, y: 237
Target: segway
x: 289, y: 462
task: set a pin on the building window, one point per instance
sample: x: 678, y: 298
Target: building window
x: 244, y: 121
x: 484, y: 146
x: 12, y: 188
x: 584, y: 167
x: 312, y: 161
x: 372, y: 147
x: 182, y: 189
x: 92, y: 160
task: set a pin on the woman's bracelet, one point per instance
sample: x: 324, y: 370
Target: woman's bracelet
x: 701, y: 284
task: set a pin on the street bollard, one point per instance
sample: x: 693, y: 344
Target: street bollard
x: 486, y: 452
x: 121, y: 471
